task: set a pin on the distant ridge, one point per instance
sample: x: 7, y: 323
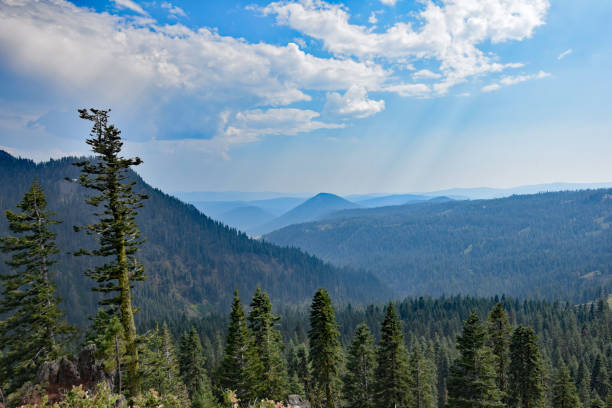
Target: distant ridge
x: 312, y: 209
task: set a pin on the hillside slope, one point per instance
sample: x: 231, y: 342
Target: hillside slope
x: 548, y: 245
x: 312, y: 209
x: 193, y: 263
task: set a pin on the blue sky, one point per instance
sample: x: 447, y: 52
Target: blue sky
x: 308, y: 96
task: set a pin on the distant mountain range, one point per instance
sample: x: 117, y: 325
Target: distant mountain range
x: 193, y: 263
x: 549, y: 245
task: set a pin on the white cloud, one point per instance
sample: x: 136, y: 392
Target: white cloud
x: 388, y: 2
x: 409, y: 89
x: 353, y: 103
x: 564, y: 54
x: 174, y: 10
x: 491, y: 88
x: 372, y: 19
x: 425, y: 74
x: 513, y: 80
x: 450, y: 33
x: 130, y: 5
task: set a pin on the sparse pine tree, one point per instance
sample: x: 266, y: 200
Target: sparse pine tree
x: 422, y: 380
x: 31, y: 323
x: 116, y: 230
x: 392, y: 388
x: 499, y: 342
x: 240, y: 362
x: 564, y: 393
x: 358, y: 387
x: 471, y: 382
x: 325, y: 354
x: 193, y: 371
x: 270, y: 379
x: 526, y: 372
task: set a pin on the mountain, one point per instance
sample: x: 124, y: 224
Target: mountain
x: 315, y: 208
x: 193, y: 263
x: 246, y: 217
x: 549, y: 245
x: 488, y: 192
x: 394, y: 199
x: 275, y: 206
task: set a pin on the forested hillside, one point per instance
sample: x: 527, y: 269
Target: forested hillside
x: 549, y: 245
x: 192, y: 263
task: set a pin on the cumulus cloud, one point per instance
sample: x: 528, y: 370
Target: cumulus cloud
x: 513, y: 80
x: 450, y: 33
x: 564, y: 54
x: 353, y: 103
x: 388, y: 2
x: 425, y: 74
x: 130, y: 5
x: 174, y: 10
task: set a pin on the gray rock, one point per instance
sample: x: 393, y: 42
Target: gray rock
x: 296, y: 401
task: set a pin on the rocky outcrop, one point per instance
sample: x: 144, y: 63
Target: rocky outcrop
x: 296, y: 401
x: 65, y: 373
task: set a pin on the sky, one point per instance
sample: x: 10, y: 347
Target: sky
x: 347, y: 97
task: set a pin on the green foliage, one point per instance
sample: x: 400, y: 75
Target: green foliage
x: 392, y: 389
x: 526, y: 372
x: 499, y: 342
x: 116, y: 231
x: 358, y: 386
x: 325, y: 354
x: 471, y: 383
x: 193, y: 371
x: 422, y: 379
x: 32, y: 329
x: 270, y: 375
x: 564, y: 393
x: 78, y: 397
x: 241, y: 363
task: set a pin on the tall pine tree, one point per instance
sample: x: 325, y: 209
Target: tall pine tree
x: 471, y: 382
x: 32, y: 330
x: 422, y: 379
x: 270, y: 380
x: 499, y: 341
x: 564, y: 393
x: 358, y: 388
x: 392, y: 389
x: 325, y: 353
x: 116, y: 230
x: 193, y: 371
x: 526, y: 372
x: 240, y: 361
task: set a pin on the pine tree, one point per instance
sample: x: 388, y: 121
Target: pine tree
x: 422, y: 380
x: 471, y: 382
x: 526, y: 373
x: 392, y: 388
x: 499, y: 341
x: 240, y: 362
x: 116, y: 230
x: 270, y: 376
x: 600, y: 381
x: 358, y: 387
x: 597, y: 403
x: 564, y: 393
x: 160, y: 367
x: 107, y: 334
x: 325, y: 353
x: 193, y: 371
x: 303, y: 372
x: 32, y: 330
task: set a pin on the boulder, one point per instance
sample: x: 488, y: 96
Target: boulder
x: 296, y: 401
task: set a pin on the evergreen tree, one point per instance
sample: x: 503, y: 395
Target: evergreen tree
x: 597, y: 403
x: 107, y: 334
x: 240, y: 362
x: 499, y: 341
x: 564, y: 393
x: 160, y: 367
x: 32, y: 329
x: 358, y: 388
x: 116, y: 231
x: 422, y: 380
x: 270, y: 379
x: 193, y: 371
x: 303, y: 371
x: 526, y: 373
x: 600, y: 381
x: 325, y: 353
x: 471, y: 382
x: 392, y: 388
